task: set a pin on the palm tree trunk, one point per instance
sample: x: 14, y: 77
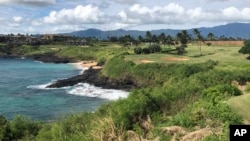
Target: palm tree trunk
x: 200, y: 49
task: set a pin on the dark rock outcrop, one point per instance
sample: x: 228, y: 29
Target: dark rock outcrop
x: 93, y: 77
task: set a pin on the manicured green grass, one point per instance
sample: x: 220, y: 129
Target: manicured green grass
x: 228, y: 57
x: 241, y: 106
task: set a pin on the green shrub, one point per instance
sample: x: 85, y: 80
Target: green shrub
x: 220, y: 92
x: 154, y: 48
x: 246, y: 48
x: 138, y: 50
x: 73, y: 127
x: 206, y: 114
x: 23, y: 127
x: 117, y: 68
x: 146, y: 50
x: 132, y: 110
x: 4, y: 129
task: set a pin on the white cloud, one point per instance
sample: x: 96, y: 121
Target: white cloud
x: 28, y: 2
x: 88, y: 14
x: 246, y: 13
x: 234, y: 14
x: 172, y: 14
x: 125, y: 1
x: 138, y: 14
x: 17, y: 19
x: 217, y: 0
x: 114, y: 14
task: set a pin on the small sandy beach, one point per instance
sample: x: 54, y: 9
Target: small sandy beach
x: 86, y: 64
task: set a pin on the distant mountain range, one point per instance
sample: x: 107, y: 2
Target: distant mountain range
x: 234, y: 30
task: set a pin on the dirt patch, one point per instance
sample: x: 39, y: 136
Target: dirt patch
x: 175, y: 59
x: 197, y: 135
x: 242, y: 87
x: 92, y: 64
x: 146, y: 61
x: 225, y: 43
x: 182, y: 134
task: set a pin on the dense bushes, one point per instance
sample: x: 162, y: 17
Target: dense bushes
x: 74, y: 127
x: 205, y: 114
x: 18, y: 128
x: 220, y: 92
x: 117, y: 68
x: 246, y: 48
x: 147, y: 50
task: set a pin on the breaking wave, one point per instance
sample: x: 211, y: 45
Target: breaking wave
x: 84, y: 89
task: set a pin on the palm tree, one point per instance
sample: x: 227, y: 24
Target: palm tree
x: 126, y: 40
x: 162, y: 38
x: 199, y: 37
x: 183, y: 38
x: 148, y: 37
x: 169, y: 40
x: 138, y: 40
x: 210, y: 36
x: 154, y: 39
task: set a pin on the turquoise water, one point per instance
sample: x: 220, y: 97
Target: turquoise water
x: 23, y: 92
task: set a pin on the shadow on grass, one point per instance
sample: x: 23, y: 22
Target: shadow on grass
x: 201, y: 55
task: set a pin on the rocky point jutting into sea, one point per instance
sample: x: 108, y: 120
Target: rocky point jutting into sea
x: 92, y: 76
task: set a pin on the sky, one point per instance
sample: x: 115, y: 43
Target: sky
x: 61, y: 16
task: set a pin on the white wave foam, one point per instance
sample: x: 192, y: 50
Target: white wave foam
x: 41, y: 86
x: 84, y: 89
x: 39, y: 62
x: 44, y: 86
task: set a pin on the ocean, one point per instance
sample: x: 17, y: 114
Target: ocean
x: 23, y: 91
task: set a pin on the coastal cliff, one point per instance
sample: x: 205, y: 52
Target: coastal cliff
x: 93, y: 77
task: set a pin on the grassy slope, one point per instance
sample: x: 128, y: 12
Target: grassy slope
x: 241, y: 105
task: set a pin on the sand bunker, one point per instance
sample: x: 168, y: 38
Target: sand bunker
x: 175, y: 59
x: 146, y: 61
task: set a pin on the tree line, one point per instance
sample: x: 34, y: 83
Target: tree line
x: 180, y: 41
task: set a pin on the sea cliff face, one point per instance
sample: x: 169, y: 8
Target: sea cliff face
x: 93, y: 76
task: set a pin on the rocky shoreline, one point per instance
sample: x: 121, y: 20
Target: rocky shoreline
x: 93, y: 77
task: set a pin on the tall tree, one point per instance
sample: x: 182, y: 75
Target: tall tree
x: 169, y: 40
x: 154, y: 39
x: 126, y: 40
x: 140, y: 38
x: 210, y: 36
x: 183, y: 38
x: 162, y: 38
x: 199, y: 38
x: 148, y: 37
